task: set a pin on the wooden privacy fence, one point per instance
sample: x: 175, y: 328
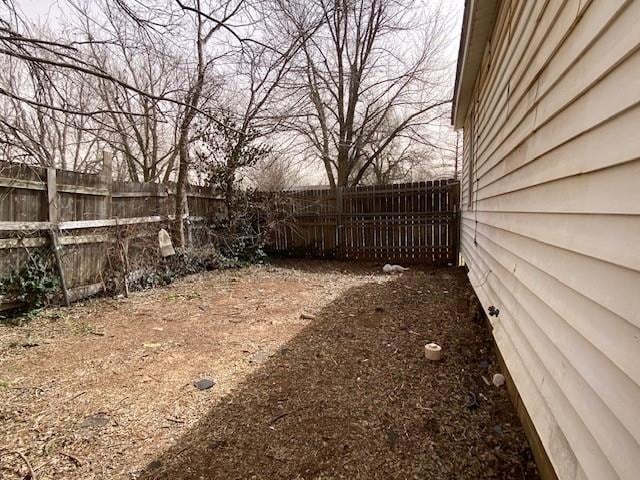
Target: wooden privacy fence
x: 83, y: 214
x: 404, y: 223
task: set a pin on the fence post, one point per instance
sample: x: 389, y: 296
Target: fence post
x: 52, y: 196
x: 56, y: 251
x: 107, y: 180
x: 54, y: 219
x: 456, y: 220
x: 339, y: 225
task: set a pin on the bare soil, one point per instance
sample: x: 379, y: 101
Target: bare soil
x: 319, y: 372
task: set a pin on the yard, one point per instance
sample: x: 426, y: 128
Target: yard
x: 319, y: 372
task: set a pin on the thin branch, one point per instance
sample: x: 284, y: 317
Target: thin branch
x: 66, y: 110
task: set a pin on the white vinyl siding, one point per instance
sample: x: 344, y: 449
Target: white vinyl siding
x: 551, y: 235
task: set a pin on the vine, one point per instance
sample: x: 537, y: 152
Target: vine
x: 34, y: 284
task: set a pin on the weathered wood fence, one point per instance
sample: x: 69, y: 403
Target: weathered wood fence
x: 82, y: 213
x: 404, y: 223
x: 79, y: 216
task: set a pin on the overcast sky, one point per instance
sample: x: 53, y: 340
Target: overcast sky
x: 50, y: 11
x: 36, y: 8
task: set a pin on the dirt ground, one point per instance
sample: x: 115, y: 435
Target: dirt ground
x: 319, y: 373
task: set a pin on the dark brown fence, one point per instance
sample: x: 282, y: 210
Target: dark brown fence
x: 403, y: 223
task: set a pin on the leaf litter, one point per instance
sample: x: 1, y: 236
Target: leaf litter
x: 319, y: 372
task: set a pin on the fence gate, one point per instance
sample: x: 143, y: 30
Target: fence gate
x: 403, y: 223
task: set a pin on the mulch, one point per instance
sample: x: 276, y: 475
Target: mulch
x: 352, y: 396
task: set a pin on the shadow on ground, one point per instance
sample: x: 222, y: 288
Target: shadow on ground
x: 352, y: 396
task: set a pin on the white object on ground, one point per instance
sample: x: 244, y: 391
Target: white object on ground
x: 433, y: 352
x: 166, y: 247
x: 393, y: 268
x: 498, y: 379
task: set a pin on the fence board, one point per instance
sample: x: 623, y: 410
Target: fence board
x: 87, y: 210
x: 404, y: 223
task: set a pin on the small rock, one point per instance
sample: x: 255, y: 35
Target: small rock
x: 204, y: 384
x: 99, y: 420
x: 498, y: 379
x: 156, y: 464
x: 307, y: 316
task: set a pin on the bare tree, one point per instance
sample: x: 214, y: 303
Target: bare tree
x: 39, y: 54
x: 357, y: 69
x: 254, y: 107
x: 274, y: 174
x: 394, y: 164
x: 133, y: 76
x: 62, y: 102
x: 47, y: 130
x: 141, y: 131
x: 207, y: 23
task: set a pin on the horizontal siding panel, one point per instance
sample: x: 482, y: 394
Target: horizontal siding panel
x: 610, y: 383
x: 552, y: 237
x: 506, y: 48
x: 586, y: 153
x: 561, y: 264
x: 515, y: 321
x: 611, y: 238
x: 553, y: 28
x: 618, y: 40
x: 464, y: 177
x: 539, y: 135
x: 550, y: 31
x: 567, y: 85
x: 561, y: 455
x: 610, y: 191
x: 554, y: 352
x: 519, y: 101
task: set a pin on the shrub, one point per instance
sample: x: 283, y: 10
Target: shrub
x: 34, y: 284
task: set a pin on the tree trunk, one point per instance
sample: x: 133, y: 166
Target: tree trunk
x: 343, y: 174
x: 181, y: 189
x: 228, y: 195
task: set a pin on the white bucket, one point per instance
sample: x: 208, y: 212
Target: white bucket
x: 164, y: 240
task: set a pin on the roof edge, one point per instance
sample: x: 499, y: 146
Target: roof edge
x: 477, y: 26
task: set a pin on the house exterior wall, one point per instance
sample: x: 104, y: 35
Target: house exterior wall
x: 551, y: 222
